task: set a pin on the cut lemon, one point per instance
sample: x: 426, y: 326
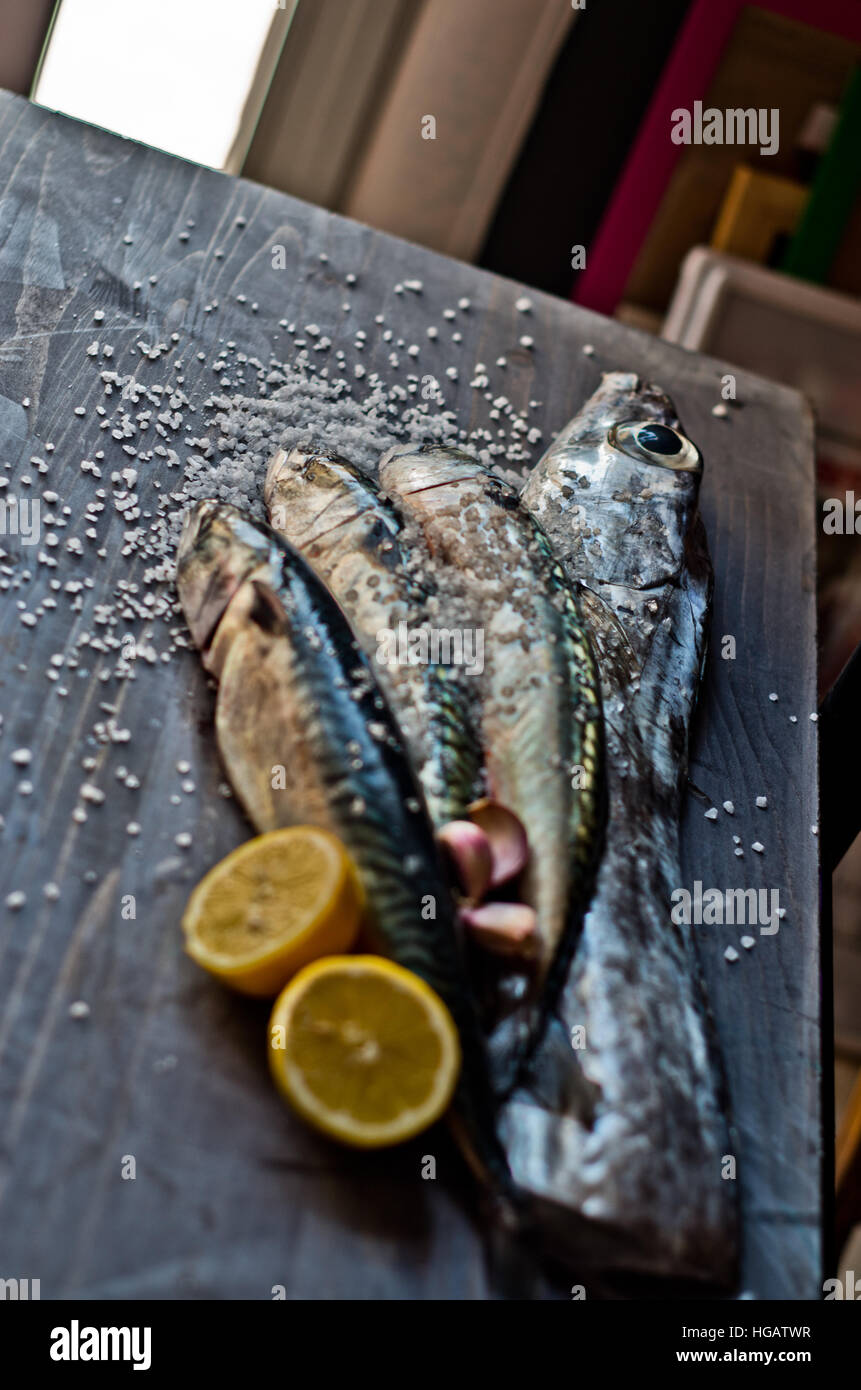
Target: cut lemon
x: 364, y: 1050
x: 274, y: 904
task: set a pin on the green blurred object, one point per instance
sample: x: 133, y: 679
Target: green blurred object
x: 832, y: 197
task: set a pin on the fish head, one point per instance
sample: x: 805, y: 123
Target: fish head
x: 218, y: 550
x: 621, y: 479
x: 629, y: 429
x: 293, y: 473
x: 406, y: 468
x: 310, y: 493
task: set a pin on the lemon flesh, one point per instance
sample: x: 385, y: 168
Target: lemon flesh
x: 277, y: 902
x: 364, y: 1050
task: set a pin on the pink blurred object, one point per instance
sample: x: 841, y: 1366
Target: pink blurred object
x: 509, y: 846
x: 506, y: 928
x: 471, y: 853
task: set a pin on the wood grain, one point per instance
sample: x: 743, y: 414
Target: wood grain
x: 231, y: 1195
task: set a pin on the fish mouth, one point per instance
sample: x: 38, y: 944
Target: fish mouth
x: 196, y: 523
x: 284, y: 464
x: 217, y: 599
x: 308, y: 463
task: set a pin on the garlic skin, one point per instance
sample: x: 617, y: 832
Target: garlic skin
x: 470, y: 851
x: 506, y: 929
x: 508, y: 843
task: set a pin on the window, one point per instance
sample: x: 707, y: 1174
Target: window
x: 187, y: 76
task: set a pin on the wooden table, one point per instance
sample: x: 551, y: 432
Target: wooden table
x: 231, y: 1196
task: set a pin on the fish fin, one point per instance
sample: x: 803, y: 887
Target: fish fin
x: 513, y: 1267
x: 508, y: 1019
x: 554, y: 1077
x: 612, y: 645
x: 504, y: 1047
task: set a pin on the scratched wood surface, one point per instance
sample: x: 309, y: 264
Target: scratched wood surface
x: 231, y: 1195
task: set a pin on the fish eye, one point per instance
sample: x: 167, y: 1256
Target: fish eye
x: 655, y: 443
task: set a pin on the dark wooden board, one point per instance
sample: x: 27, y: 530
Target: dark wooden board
x: 232, y: 1196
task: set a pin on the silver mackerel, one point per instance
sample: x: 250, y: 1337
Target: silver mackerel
x: 295, y: 690
x: 620, y: 1140
x: 540, y: 712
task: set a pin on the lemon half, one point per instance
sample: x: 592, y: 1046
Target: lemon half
x: 277, y: 902
x: 364, y: 1050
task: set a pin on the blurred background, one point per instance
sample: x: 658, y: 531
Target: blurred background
x: 557, y: 168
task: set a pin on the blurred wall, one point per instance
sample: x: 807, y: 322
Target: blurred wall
x: 478, y: 70
x: 23, y: 26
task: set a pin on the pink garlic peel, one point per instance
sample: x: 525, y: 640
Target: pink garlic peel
x: 504, y: 928
x: 471, y: 853
x: 508, y: 843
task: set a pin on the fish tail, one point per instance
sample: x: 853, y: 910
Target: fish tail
x: 510, y: 1247
x: 473, y: 1118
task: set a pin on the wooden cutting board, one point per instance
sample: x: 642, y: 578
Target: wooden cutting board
x: 231, y: 1196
